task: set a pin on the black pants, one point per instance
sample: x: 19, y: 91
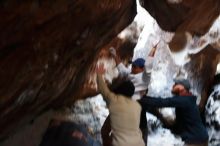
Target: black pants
x: 143, y: 120
x: 143, y: 126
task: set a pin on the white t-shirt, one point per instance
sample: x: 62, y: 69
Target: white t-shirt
x: 140, y: 80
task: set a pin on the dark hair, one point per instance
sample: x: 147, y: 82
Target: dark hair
x: 125, y: 88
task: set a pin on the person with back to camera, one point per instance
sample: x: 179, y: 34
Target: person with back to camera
x: 124, y: 112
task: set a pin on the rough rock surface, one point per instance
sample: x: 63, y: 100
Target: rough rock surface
x: 185, y: 15
x: 194, y: 16
x: 47, y: 48
x: 202, y: 77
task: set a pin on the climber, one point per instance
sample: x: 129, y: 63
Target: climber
x: 188, y: 123
x: 139, y: 73
x: 124, y: 112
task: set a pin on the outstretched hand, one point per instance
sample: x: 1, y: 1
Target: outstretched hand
x: 153, y: 50
x: 100, y: 69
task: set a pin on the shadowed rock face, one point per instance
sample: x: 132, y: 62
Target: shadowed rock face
x: 194, y: 16
x: 46, y: 48
x: 202, y: 70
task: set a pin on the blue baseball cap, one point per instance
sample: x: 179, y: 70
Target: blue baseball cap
x: 139, y: 62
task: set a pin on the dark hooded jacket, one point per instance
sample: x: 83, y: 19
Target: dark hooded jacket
x: 188, y: 121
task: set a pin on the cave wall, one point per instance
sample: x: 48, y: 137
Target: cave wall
x: 46, y: 47
x: 201, y: 71
x: 193, y: 16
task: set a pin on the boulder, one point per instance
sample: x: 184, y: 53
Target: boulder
x: 46, y: 49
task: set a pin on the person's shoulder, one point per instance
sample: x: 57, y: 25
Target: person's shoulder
x: 192, y: 98
x: 189, y: 99
x: 136, y: 104
x: 122, y: 98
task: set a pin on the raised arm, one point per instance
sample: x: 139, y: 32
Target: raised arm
x: 147, y: 70
x: 149, y: 65
x: 102, y: 87
x: 153, y: 50
x: 122, y: 69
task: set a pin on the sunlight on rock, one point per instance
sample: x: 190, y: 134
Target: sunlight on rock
x: 195, y: 44
x: 211, y: 37
x: 218, y: 69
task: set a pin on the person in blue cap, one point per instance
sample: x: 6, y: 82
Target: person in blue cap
x: 139, y: 73
x: 188, y: 123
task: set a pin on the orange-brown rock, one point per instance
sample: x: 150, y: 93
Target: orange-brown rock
x: 194, y: 16
x: 47, y: 47
x: 202, y: 69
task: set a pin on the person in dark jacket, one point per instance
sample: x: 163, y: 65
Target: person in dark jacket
x: 188, y: 123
